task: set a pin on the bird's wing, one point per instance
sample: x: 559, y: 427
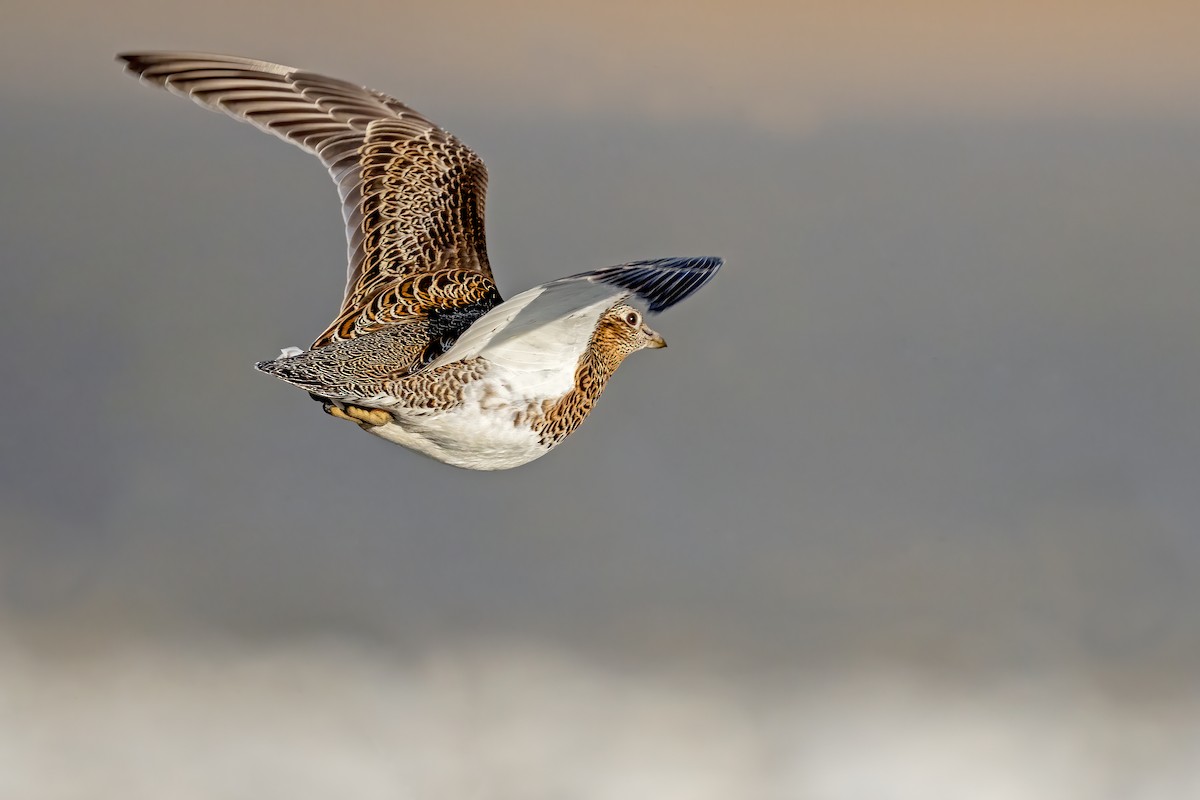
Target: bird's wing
x: 547, y: 328
x: 412, y: 194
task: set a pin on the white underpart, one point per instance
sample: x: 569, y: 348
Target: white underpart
x: 485, y: 432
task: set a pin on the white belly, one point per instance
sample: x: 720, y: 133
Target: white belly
x: 487, y: 432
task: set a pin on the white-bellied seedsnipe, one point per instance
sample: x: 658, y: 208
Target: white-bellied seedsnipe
x: 424, y: 352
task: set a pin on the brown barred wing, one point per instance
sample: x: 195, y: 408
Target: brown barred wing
x: 412, y: 194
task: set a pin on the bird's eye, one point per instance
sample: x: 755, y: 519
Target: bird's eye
x: 633, y: 318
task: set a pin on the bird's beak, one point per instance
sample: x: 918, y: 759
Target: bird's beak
x: 656, y: 340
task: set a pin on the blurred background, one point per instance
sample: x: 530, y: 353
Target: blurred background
x: 909, y: 509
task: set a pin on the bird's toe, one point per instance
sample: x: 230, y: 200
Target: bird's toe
x: 366, y: 417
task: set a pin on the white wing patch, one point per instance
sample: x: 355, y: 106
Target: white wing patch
x: 540, y: 334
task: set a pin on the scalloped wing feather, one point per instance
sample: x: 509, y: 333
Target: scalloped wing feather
x: 412, y: 194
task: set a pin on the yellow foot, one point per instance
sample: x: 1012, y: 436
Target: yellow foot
x: 365, y: 417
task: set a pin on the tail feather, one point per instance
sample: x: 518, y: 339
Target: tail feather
x: 297, y: 370
x: 363, y: 370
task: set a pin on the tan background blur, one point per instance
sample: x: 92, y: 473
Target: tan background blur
x: 909, y: 509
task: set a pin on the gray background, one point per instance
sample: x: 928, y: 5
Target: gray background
x: 908, y: 509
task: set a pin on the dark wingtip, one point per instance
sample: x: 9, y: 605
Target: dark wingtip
x: 137, y: 63
x: 129, y: 62
x: 661, y: 282
x: 134, y: 60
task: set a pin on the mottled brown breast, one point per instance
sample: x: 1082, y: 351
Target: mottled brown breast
x: 611, y: 342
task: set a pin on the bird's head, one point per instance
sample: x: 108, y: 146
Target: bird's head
x: 622, y: 330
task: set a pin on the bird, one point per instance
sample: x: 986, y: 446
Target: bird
x: 424, y: 352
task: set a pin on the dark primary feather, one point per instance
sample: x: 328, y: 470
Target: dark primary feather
x: 661, y: 282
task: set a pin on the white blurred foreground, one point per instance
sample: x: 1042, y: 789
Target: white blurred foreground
x: 322, y: 719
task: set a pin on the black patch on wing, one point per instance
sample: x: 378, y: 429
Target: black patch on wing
x: 661, y: 282
x: 447, y: 324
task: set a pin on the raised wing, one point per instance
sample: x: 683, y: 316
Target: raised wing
x: 412, y: 194
x: 546, y: 328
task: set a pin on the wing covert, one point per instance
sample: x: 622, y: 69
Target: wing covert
x: 412, y: 194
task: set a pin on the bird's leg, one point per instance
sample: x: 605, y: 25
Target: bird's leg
x: 364, y: 417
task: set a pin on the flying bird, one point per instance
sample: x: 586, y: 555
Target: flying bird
x: 424, y: 351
